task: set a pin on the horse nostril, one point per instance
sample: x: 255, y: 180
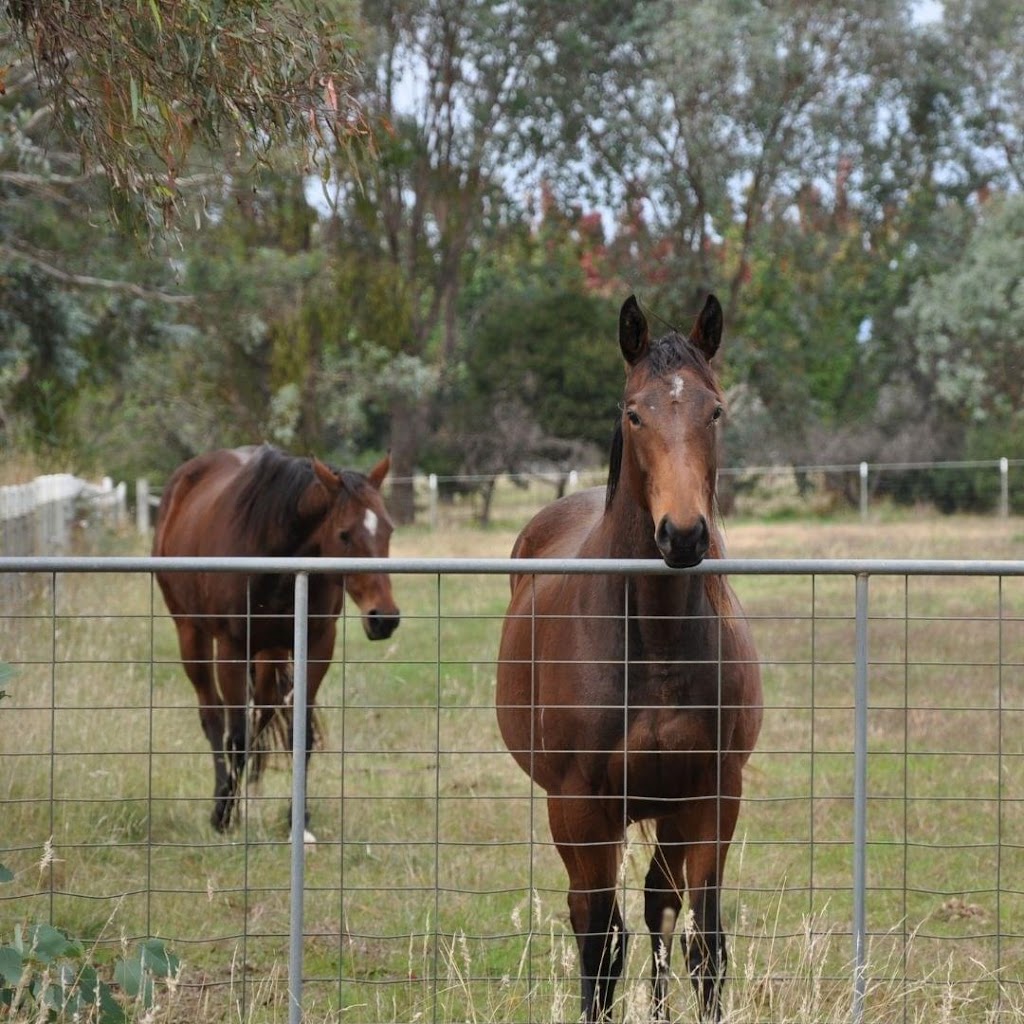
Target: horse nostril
x: 663, y: 535
x: 703, y: 534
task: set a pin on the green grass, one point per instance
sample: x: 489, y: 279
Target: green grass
x: 433, y: 892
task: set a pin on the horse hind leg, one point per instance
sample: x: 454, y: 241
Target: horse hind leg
x: 270, y: 713
x: 321, y: 649
x: 274, y: 682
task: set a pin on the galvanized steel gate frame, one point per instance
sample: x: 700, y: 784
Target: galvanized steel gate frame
x: 860, y: 570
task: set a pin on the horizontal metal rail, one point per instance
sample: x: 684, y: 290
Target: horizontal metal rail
x: 504, y: 566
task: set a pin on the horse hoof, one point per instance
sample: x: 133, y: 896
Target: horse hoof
x: 220, y: 821
x: 308, y: 839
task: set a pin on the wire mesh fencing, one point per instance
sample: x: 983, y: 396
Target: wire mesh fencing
x: 985, y: 487
x: 875, y: 870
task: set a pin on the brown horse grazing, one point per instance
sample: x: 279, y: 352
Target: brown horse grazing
x: 260, y: 501
x: 638, y: 698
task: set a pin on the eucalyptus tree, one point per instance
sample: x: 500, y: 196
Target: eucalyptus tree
x: 711, y: 115
x: 111, y: 117
x: 446, y: 84
x: 983, y: 41
x: 136, y: 89
x: 965, y: 324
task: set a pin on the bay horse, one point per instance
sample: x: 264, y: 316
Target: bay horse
x: 236, y: 631
x: 637, y: 698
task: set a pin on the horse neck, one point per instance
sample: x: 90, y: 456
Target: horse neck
x: 656, y: 600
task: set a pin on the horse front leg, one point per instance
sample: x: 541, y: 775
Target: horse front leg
x: 197, y: 659
x: 231, y: 747
x: 712, y: 822
x: 591, y: 851
x: 663, y: 900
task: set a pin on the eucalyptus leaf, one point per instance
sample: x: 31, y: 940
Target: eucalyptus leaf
x: 11, y: 965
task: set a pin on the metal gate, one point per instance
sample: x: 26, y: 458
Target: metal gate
x: 875, y: 873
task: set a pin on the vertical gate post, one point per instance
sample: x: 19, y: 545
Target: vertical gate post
x: 864, y: 491
x: 298, y: 865
x: 1004, y: 487
x: 860, y: 795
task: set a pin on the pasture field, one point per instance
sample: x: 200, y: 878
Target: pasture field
x: 433, y: 892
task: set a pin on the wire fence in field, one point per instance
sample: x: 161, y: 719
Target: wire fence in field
x: 875, y: 873
x: 994, y: 486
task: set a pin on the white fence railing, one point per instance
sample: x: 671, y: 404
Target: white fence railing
x: 38, y: 517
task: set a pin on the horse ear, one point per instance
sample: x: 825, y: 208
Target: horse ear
x: 634, y: 337
x: 377, y: 474
x: 326, y: 476
x: 707, y: 328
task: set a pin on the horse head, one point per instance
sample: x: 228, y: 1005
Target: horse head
x: 357, y: 525
x: 671, y: 411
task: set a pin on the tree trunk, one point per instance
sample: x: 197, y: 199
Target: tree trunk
x: 407, y: 432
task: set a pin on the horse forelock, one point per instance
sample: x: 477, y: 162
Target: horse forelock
x: 675, y: 352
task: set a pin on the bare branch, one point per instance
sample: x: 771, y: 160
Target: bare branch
x: 87, y: 281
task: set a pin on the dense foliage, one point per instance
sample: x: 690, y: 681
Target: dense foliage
x: 846, y: 177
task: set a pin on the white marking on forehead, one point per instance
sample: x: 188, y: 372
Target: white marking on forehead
x: 677, y: 386
x: 370, y: 521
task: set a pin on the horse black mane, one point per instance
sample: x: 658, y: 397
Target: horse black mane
x: 268, y: 503
x: 614, y: 465
x: 672, y: 352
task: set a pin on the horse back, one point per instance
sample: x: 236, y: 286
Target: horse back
x: 558, y: 530
x: 192, y: 510
x: 196, y: 517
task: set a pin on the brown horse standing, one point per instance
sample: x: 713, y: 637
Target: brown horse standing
x: 260, y: 501
x: 636, y: 698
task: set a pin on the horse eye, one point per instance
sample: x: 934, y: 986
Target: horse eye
x: 344, y: 536
x: 633, y: 417
x: 717, y: 414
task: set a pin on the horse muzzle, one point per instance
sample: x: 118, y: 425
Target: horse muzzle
x: 680, y: 547
x: 380, y: 625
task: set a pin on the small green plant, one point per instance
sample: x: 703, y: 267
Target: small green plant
x: 48, y: 976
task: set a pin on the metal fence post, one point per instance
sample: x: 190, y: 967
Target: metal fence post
x: 1004, y: 487
x: 864, y: 491
x: 860, y: 791
x: 298, y: 866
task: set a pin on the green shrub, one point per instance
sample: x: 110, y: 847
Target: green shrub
x: 46, y: 975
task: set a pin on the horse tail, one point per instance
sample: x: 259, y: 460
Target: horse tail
x: 272, y: 715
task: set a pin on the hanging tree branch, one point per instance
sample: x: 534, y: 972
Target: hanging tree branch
x: 141, y: 84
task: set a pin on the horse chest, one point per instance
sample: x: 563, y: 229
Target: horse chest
x: 667, y: 736
x: 266, y: 610
x: 662, y: 756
